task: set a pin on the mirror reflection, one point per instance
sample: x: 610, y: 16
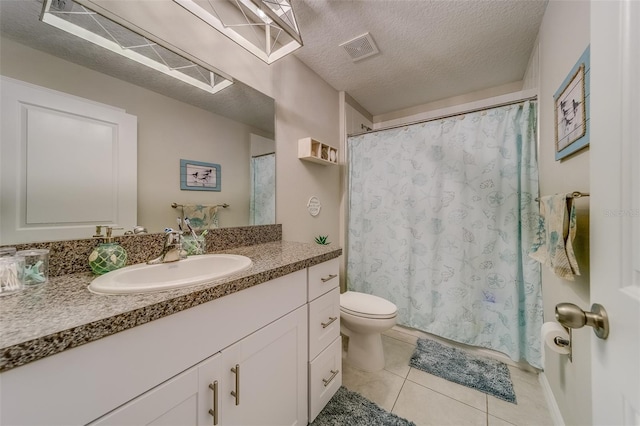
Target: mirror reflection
x: 233, y: 128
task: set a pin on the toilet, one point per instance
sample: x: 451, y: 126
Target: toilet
x: 363, y: 317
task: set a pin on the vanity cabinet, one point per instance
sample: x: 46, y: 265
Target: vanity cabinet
x: 258, y: 380
x: 159, y: 372
x: 325, y: 348
x: 266, y: 355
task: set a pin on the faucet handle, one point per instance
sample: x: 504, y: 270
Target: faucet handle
x: 109, y: 230
x: 98, y: 233
x: 172, y: 236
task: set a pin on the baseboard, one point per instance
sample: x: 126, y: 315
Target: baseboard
x: 554, y: 410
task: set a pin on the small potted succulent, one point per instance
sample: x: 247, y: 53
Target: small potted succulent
x: 322, y: 240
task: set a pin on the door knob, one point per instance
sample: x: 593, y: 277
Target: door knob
x: 572, y: 316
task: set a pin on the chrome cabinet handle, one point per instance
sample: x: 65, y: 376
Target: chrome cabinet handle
x: 334, y: 373
x: 236, y: 393
x: 328, y: 323
x: 214, y: 387
x: 329, y: 277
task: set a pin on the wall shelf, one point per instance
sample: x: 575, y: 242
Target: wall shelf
x: 317, y: 152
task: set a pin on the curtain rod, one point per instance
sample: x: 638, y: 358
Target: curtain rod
x: 442, y: 117
x: 176, y: 205
x: 263, y: 155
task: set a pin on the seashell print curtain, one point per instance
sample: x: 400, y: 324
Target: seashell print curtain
x: 441, y: 218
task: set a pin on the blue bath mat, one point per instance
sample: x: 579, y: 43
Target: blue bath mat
x: 484, y: 374
x: 347, y: 408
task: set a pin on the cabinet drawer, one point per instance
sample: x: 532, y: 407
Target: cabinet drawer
x: 324, y: 321
x: 325, y: 377
x: 323, y: 277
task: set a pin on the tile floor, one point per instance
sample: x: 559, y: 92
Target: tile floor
x: 430, y: 400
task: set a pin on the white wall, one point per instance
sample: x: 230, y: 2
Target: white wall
x: 435, y: 108
x: 305, y: 106
x: 357, y: 119
x: 563, y: 36
x: 261, y: 145
x: 168, y: 130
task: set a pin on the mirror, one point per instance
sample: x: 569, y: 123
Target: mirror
x: 230, y: 128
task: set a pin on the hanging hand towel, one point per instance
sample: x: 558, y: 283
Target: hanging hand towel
x: 201, y: 217
x: 553, y: 244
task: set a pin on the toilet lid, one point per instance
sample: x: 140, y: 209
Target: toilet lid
x: 367, y: 305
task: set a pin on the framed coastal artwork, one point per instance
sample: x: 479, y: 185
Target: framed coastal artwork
x: 571, y: 109
x: 199, y: 176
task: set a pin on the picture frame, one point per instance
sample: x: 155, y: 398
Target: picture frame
x: 200, y: 176
x: 572, y: 109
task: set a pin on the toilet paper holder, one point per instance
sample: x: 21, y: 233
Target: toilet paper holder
x: 571, y: 316
x: 565, y: 343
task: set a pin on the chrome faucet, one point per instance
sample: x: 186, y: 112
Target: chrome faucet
x: 172, y: 250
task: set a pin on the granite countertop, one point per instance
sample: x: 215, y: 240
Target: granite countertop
x: 63, y: 313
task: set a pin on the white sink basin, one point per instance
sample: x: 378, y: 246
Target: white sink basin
x: 192, y: 271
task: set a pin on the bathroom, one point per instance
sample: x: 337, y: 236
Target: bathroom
x: 307, y: 106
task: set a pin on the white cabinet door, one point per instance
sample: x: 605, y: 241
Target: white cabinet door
x: 209, y: 385
x: 171, y: 403
x: 325, y: 377
x: 268, y: 384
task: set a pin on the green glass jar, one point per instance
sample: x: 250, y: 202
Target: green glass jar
x: 107, y: 257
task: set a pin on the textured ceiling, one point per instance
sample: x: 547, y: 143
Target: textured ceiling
x: 429, y: 50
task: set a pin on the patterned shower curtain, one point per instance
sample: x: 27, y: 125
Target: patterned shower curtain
x: 262, y: 209
x: 441, y: 218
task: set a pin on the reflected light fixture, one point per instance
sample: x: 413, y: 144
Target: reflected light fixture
x: 86, y: 24
x: 266, y: 28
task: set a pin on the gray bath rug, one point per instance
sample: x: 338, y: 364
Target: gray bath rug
x: 484, y: 374
x: 348, y: 408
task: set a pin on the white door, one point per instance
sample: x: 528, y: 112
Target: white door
x: 615, y: 208
x: 67, y: 164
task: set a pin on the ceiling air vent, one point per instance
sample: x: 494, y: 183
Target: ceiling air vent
x: 360, y: 47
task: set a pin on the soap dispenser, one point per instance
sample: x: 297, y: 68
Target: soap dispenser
x: 109, y: 255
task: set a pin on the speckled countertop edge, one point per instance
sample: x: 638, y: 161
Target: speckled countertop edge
x: 64, y: 314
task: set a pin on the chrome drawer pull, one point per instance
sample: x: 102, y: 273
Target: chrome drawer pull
x: 214, y: 387
x: 327, y: 278
x: 236, y: 393
x: 334, y: 373
x: 328, y: 323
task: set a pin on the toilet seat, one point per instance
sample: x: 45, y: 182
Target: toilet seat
x: 367, y: 305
